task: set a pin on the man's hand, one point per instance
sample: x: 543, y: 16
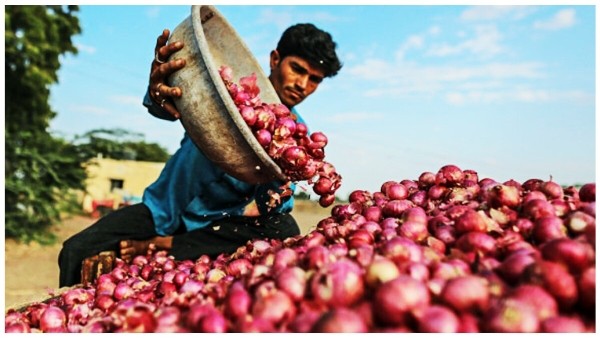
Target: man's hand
x: 160, y: 71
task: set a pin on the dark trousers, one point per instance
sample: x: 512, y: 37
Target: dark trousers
x: 135, y: 222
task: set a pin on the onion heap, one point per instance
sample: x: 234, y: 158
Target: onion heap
x: 447, y: 252
x: 298, y: 153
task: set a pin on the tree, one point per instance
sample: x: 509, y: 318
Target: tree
x: 41, y: 170
x: 120, y: 144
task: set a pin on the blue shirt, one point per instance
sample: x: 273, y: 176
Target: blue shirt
x: 194, y: 192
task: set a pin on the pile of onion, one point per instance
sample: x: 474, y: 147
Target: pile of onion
x: 446, y: 252
x: 299, y: 153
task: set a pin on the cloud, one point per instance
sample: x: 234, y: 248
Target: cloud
x: 562, y: 19
x: 85, y: 48
x: 485, y: 43
x: 413, y: 42
x: 490, y: 13
x: 153, y: 12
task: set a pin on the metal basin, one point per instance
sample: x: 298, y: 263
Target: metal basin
x: 208, y: 112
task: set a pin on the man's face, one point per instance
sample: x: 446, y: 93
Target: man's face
x: 293, y: 78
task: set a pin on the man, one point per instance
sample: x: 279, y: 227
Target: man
x: 195, y: 208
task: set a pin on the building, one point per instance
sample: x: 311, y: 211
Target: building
x: 114, y: 183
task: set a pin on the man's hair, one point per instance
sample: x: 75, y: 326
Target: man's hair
x: 307, y: 41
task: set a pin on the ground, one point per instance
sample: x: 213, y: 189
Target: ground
x: 31, y: 270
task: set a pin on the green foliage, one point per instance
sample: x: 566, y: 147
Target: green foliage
x: 120, y: 144
x: 40, y: 169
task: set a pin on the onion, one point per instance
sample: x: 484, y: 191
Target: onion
x: 477, y: 242
x: 426, y: 179
x: 381, y: 270
x: 538, y: 208
x: 449, y: 175
x: 340, y: 320
x: 276, y: 307
x: 512, y: 267
x: 466, y: 293
x: 396, y: 191
x: 563, y: 324
x: 292, y: 280
x: 238, y: 301
x: 469, y: 221
x: 396, y: 298
x: 538, y: 298
x: 511, y: 316
x: 552, y: 190
x: 587, y: 192
x: 395, y: 208
x: 577, y: 221
x: 547, y: 228
x: 338, y: 284
x: 555, y: 279
x: 504, y: 195
x: 572, y: 254
x: 586, y: 285
x: 53, y: 319
x: 437, y: 319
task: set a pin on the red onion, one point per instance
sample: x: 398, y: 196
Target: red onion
x: 394, y: 299
x: 504, y: 195
x: 511, y: 316
x: 381, y: 270
x: 276, y: 307
x: 53, y: 319
x: 572, y: 254
x: 449, y: 175
x: 238, y: 301
x: 293, y: 281
x: 469, y: 221
x: 586, y: 286
x: 437, y: 319
x: 426, y: 179
x: 587, y: 192
x: 538, y: 208
x: 338, y: 284
x: 340, y: 320
x: 547, y: 228
x: 537, y: 297
x: 555, y: 279
x: 563, y: 324
x: 466, y: 293
x: 396, y: 191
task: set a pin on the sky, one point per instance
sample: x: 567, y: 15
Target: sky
x: 507, y: 91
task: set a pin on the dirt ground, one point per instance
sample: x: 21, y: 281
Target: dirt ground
x: 31, y: 270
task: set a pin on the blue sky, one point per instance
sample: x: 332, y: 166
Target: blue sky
x: 508, y: 91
